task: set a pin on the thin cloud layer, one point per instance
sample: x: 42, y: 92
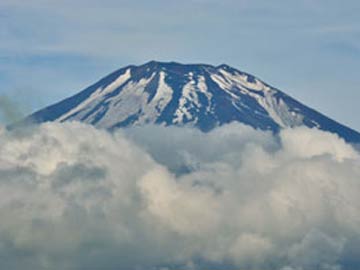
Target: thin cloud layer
x: 74, y: 197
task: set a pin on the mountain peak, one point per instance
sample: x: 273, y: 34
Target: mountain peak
x: 198, y: 95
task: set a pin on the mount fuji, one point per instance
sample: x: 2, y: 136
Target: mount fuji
x: 198, y: 95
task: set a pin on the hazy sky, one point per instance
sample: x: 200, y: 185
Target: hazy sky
x: 309, y: 49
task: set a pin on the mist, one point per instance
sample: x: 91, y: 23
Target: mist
x: 10, y: 112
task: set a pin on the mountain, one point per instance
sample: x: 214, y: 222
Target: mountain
x: 197, y: 95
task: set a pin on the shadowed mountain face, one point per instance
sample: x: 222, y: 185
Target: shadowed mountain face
x: 202, y: 96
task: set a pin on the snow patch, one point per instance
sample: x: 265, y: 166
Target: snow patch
x: 163, y: 96
x: 188, y: 98
x: 98, y: 94
x: 242, y: 79
x: 117, y: 83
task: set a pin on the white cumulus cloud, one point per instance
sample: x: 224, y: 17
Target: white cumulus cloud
x: 75, y: 197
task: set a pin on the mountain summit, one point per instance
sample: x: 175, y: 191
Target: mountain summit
x: 199, y: 95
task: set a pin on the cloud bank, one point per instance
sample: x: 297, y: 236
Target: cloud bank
x: 74, y: 197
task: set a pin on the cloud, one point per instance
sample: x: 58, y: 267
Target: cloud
x: 9, y: 111
x: 75, y: 197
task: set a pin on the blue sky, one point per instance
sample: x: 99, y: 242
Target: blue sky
x: 309, y: 49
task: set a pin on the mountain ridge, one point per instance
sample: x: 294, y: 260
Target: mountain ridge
x: 199, y: 95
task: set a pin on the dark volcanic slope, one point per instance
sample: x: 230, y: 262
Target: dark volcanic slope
x: 203, y: 96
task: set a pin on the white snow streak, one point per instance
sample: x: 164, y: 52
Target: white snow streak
x: 98, y: 94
